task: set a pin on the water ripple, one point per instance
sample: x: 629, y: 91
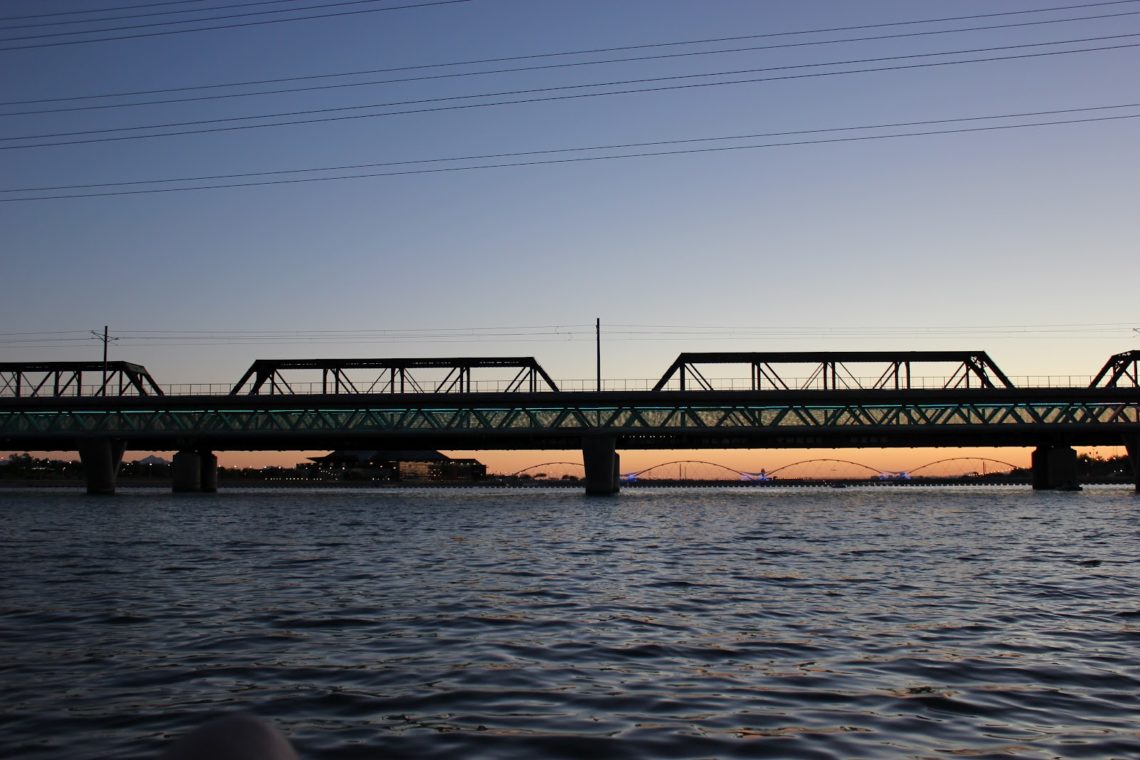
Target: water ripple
x: 864, y: 623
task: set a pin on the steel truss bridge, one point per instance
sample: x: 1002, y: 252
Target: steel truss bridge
x: 390, y: 408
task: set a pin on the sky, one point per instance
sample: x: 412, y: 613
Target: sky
x: 805, y: 231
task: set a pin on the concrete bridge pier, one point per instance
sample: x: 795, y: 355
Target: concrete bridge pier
x: 602, y: 464
x: 101, y: 459
x: 1133, y: 447
x: 194, y: 471
x: 1055, y: 469
x: 208, y: 480
x: 186, y: 472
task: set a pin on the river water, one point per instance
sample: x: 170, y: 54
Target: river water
x: 793, y: 623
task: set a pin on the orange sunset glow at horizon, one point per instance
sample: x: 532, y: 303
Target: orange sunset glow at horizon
x: 963, y: 460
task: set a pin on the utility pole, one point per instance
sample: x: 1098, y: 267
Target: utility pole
x: 105, y: 337
x: 598, y: 346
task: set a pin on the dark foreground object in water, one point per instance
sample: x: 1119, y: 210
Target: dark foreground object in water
x: 234, y: 737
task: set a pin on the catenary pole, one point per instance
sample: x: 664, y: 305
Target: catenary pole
x: 598, y: 347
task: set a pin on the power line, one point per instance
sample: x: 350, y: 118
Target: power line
x: 660, y: 88
x: 369, y: 330
x: 582, y: 149
x: 627, y: 331
x: 212, y: 28
x: 175, y: 22
x: 149, y: 338
x: 582, y: 159
x: 20, y: 341
x: 881, y: 331
x: 541, y: 67
x: 418, y: 333
x: 103, y: 10
x: 592, y: 51
x: 91, y: 11
x: 302, y: 342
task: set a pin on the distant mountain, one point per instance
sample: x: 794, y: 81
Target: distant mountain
x: 152, y: 459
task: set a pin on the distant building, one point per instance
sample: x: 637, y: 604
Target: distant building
x: 455, y: 470
x: 404, y: 466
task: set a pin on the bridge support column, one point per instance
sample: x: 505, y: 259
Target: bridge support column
x: 603, y: 465
x: 101, y: 460
x: 208, y: 480
x: 1055, y: 469
x: 1133, y: 447
x: 186, y: 472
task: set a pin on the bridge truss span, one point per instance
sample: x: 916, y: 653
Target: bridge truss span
x: 75, y: 379
x: 368, y: 376
x: 1120, y: 371
x: 835, y: 370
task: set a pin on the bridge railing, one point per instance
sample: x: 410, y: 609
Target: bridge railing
x: 198, y: 389
x: 932, y: 382
x: 1052, y: 381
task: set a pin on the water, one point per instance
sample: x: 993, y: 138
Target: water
x: 873, y: 623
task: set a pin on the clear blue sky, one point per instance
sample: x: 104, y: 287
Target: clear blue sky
x: 1020, y: 241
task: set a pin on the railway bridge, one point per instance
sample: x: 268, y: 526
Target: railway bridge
x: 846, y: 399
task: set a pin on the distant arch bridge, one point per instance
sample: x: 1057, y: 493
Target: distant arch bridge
x: 769, y: 474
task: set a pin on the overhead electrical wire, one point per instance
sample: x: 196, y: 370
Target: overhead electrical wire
x: 419, y: 333
x: 277, y: 2
x: 20, y: 341
x: 464, y: 330
x: 303, y: 341
x: 150, y: 14
x: 239, y: 25
x: 540, y: 67
x: 560, y: 333
x: 581, y: 159
x: 618, y: 328
x: 591, y: 51
x: 1035, y: 10
x: 658, y: 88
x: 321, y: 6
x: 581, y: 149
x: 115, y: 9
x: 264, y: 337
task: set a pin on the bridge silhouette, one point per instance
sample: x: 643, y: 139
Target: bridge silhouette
x: 813, y: 400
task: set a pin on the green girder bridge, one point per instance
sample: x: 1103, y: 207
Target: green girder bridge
x: 791, y: 400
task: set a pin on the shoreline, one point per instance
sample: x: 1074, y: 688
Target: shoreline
x: 223, y: 485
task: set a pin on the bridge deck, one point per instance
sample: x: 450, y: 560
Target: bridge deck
x: 560, y: 420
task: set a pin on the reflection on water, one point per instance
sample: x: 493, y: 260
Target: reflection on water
x: 855, y: 623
